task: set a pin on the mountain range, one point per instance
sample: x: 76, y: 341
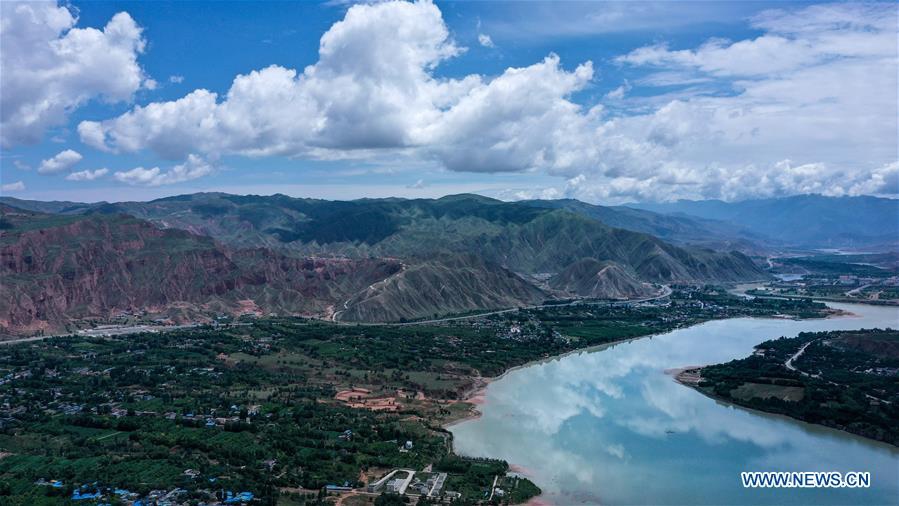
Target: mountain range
x: 61, y: 269
x: 192, y: 256
x: 811, y: 221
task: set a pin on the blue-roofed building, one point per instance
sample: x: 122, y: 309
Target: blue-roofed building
x: 239, y: 498
x: 78, y: 495
x: 124, y: 494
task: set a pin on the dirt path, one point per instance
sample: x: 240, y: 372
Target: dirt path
x: 789, y: 363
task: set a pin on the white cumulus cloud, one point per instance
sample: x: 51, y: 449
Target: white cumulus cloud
x: 372, y: 88
x: 195, y: 167
x: 485, y: 40
x: 13, y: 187
x: 50, y: 67
x: 809, y: 105
x: 87, y: 175
x: 61, y: 162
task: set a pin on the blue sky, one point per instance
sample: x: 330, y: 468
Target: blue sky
x: 679, y: 100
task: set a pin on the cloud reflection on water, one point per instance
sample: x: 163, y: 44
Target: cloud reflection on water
x: 597, y: 425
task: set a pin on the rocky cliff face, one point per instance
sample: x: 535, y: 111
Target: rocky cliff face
x: 59, y: 269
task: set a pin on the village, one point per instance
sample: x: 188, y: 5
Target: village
x: 302, y: 410
x: 868, y: 289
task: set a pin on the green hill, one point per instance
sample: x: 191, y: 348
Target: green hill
x: 589, y: 277
x: 678, y: 229
x: 440, y: 286
x: 802, y: 220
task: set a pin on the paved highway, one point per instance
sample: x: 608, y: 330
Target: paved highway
x: 666, y: 291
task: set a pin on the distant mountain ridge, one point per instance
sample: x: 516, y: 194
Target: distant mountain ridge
x: 520, y: 236
x: 61, y: 269
x: 372, y: 259
x: 802, y: 220
x: 678, y: 229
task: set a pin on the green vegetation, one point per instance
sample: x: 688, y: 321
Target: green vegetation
x: 833, y: 267
x: 865, y: 278
x: 471, y: 477
x: 589, y: 324
x: 883, y: 260
x: 248, y: 408
x: 843, y: 379
x: 84, y: 410
x: 525, y: 237
x: 255, y: 407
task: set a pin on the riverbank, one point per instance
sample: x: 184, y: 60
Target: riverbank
x: 824, y: 298
x: 730, y: 404
x: 853, y: 388
x: 477, y: 395
x: 574, y: 396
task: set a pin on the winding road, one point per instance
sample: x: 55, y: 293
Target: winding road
x: 666, y: 291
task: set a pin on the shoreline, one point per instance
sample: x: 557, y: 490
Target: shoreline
x: 838, y: 300
x: 677, y: 375
x: 480, y: 392
x: 478, y: 397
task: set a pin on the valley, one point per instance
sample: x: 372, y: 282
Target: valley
x: 292, y: 410
x: 213, y: 347
x: 863, y: 278
x: 449, y: 253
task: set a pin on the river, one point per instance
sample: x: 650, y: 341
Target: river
x: 609, y: 426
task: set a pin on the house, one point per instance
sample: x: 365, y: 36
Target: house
x: 83, y: 494
x: 241, y: 497
x: 125, y: 494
